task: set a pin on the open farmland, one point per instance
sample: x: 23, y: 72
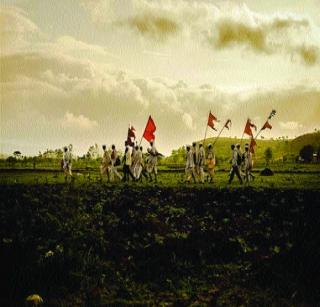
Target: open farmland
x: 96, y: 244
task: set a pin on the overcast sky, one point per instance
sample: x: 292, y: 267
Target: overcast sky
x: 80, y: 71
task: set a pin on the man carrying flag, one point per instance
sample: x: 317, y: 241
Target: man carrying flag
x: 201, y: 161
x: 149, y: 135
x: 152, y: 161
x: 248, y: 163
x: 234, y: 163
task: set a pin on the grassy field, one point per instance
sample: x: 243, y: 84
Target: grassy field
x: 93, y: 244
x: 299, y: 179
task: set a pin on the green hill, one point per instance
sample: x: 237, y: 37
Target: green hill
x: 283, y: 149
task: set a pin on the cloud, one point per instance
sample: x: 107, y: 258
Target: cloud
x: 219, y: 26
x: 266, y: 34
x: 156, y: 27
x: 309, y: 54
x: 47, y: 93
x: 290, y: 125
x: 68, y: 43
x: 155, y: 20
x: 230, y: 32
x: 187, y: 119
x: 78, y: 122
x: 86, y: 103
x: 15, y: 28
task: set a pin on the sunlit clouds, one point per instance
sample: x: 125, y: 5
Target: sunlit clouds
x: 175, y: 60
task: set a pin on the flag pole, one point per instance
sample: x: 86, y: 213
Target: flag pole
x: 257, y: 134
x: 243, y: 134
x: 205, y: 133
x: 215, y: 141
x: 273, y: 113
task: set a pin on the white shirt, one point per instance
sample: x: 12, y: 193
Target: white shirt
x: 190, y: 161
x: 201, y: 156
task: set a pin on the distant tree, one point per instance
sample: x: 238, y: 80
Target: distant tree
x: 11, y: 161
x: 17, y: 154
x: 306, y: 153
x: 93, y: 152
x: 268, y: 155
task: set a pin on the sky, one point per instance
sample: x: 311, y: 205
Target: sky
x: 82, y: 71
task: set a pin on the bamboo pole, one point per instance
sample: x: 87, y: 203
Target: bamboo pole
x: 205, y: 134
x: 215, y: 141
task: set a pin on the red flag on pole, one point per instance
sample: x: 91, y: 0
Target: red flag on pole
x: 211, y: 120
x: 247, y: 128
x: 228, y: 124
x: 150, y: 130
x: 253, y: 143
x: 131, y: 135
x: 266, y: 125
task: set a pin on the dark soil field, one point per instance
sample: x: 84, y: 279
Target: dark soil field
x: 93, y: 244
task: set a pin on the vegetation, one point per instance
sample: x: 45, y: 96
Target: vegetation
x: 268, y: 155
x: 284, y: 150
x: 89, y: 243
x: 97, y: 245
x: 306, y: 153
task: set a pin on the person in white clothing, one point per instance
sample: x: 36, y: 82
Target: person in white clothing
x: 201, y: 162
x: 114, y: 162
x: 152, y: 161
x: 105, y: 163
x: 66, y: 164
x: 190, y: 167
x: 248, y: 163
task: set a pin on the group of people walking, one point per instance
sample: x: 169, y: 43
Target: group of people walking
x: 241, y: 163
x: 137, y: 165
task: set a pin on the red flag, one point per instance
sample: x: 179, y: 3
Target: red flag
x: 247, y: 128
x: 211, y: 120
x: 150, y: 130
x: 252, y: 144
x: 228, y: 124
x: 266, y: 125
x: 131, y: 134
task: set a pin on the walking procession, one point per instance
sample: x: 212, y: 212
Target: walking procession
x: 200, y: 159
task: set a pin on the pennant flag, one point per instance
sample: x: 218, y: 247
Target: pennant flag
x: 150, y: 130
x: 247, y: 129
x: 228, y: 124
x: 131, y: 135
x: 253, y: 143
x: 266, y: 125
x: 273, y: 113
x: 211, y: 120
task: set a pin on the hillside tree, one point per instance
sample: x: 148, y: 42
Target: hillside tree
x: 306, y: 153
x: 268, y: 154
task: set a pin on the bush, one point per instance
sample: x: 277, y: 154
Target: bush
x: 306, y: 153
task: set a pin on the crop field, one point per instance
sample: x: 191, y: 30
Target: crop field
x: 91, y: 243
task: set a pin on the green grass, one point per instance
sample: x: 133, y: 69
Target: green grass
x: 170, y: 179
x: 282, y: 149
